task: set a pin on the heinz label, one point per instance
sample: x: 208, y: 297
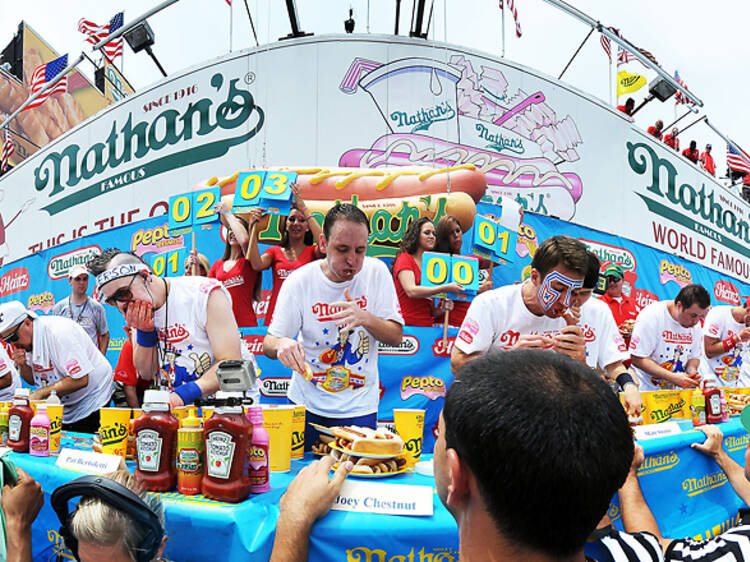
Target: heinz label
x: 219, y: 454
x: 148, y: 444
x: 14, y: 427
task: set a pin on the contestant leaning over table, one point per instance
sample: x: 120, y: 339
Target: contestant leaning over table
x: 83, y: 309
x: 9, y: 379
x: 543, y: 499
x: 731, y: 546
x: 414, y: 299
x: 340, y: 308
x: 296, y: 249
x: 234, y: 271
x: 530, y: 314
x: 54, y: 353
x: 726, y: 345
x: 184, y: 325
x: 449, y: 240
x: 667, y: 341
x: 605, y: 348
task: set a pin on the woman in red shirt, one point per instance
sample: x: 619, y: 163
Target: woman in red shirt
x: 416, y: 305
x: 300, y: 230
x: 234, y: 271
x: 450, y: 238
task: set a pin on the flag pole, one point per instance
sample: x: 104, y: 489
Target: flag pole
x: 502, y: 29
x: 231, y: 11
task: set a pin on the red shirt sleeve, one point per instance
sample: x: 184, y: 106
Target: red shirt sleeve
x: 125, y: 370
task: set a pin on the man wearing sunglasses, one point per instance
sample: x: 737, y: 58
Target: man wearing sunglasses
x: 55, y: 353
x: 9, y: 380
x: 622, y: 306
x: 84, y: 310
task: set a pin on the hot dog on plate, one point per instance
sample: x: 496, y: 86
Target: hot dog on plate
x: 357, y: 440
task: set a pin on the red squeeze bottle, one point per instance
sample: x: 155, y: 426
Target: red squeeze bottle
x: 713, y: 402
x: 228, y: 436
x: 156, y: 443
x: 19, y: 421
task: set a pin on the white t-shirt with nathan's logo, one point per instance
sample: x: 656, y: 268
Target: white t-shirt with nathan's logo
x: 660, y: 337
x: 346, y: 382
x: 732, y: 369
x: 604, y: 344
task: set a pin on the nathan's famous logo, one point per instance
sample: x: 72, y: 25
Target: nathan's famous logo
x: 274, y: 386
x: 155, y: 239
x: 42, y: 301
x: 727, y: 292
x: 325, y: 311
x: 657, y: 463
x: 59, y: 266
x: 175, y: 333
x: 130, y: 143
x: 498, y: 142
x: 611, y: 254
x: 732, y: 443
x: 364, y: 554
x: 443, y: 346
x: 659, y: 415
x: 423, y: 118
x: 669, y: 271
x: 614, y: 512
x: 429, y: 386
x: 694, y: 209
x: 695, y: 486
x: 115, y: 344
x: 113, y: 433
x: 16, y: 280
x: 409, y: 346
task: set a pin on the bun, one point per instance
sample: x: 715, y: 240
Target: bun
x: 363, y: 440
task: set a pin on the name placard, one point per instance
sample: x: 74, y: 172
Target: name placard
x: 654, y: 430
x: 89, y: 461
x: 391, y: 499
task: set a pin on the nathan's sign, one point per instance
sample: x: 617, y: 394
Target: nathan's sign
x: 59, y: 266
x: 611, y: 254
x: 80, y: 173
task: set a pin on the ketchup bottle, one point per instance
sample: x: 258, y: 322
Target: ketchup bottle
x: 713, y: 402
x: 228, y: 437
x: 156, y: 443
x: 19, y: 421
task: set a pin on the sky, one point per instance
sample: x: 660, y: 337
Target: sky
x: 706, y: 43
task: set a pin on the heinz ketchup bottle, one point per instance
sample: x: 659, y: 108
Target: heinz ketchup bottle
x: 19, y: 421
x: 156, y: 443
x: 228, y: 436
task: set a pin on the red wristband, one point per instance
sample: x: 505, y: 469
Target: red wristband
x: 729, y: 343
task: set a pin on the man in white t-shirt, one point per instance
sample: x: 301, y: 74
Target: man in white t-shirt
x: 667, y: 341
x: 184, y: 325
x: 726, y: 345
x: 55, y: 353
x: 9, y: 380
x: 338, y: 309
x: 530, y: 314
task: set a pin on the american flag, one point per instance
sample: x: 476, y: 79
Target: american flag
x: 45, y: 73
x: 8, y: 149
x: 96, y: 33
x: 679, y: 97
x: 623, y: 56
x: 512, y: 7
x: 736, y: 162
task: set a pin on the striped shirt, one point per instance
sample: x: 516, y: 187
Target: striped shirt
x: 617, y: 546
x: 734, y: 545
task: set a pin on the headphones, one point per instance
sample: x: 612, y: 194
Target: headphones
x: 117, y: 496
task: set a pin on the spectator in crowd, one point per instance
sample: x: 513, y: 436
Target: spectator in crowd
x: 623, y: 307
x: 449, y: 239
x: 234, y: 271
x: 530, y: 505
x: 415, y: 299
x: 671, y: 139
x: 667, y: 341
x: 655, y: 129
x: 199, y: 261
x: 533, y: 314
x: 299, y: 246
x: 20, y: 503
x: 726, y: 345
x: 627, y: 109
x: 55, y: 353
x: 691, y: 153
x: 707, y: 161
x: 184, y: 325
x: 115, y: 519
x: 84, y: 310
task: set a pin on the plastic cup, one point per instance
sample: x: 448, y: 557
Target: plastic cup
x: 206, y: 412
x: 114, y: 429
x: 298, y: 432
x: 410, y: 426
x: 55, y: 414
x: 180, y: 413
x: 277, y: 419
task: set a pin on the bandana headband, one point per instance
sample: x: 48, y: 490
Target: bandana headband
x: 548, y: 295
x: 118, y: 271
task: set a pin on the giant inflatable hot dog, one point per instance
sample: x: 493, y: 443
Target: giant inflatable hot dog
x: 390, y: 197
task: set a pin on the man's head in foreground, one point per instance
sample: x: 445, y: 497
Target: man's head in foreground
x: 538, y: 442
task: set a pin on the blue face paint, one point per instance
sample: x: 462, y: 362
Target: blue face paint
x: 548, y: 296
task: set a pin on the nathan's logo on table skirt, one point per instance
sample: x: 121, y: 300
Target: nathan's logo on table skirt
x: 726, y: 292
x: 695, y: 486
x: 274, y: 386
x: 732, y: 443
x: 16, y: 280
x: 657, y: 463
x: 409, y: 346
x: 364, y: 554
x: 614, y: 512
x: 59, y: 266
x: 443, y: 347
x: 431, y: 387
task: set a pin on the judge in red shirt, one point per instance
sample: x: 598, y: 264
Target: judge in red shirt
x: 707, y: 161
x: 627, y: 109
x: 655, y: 129
x: 623, y: 307
x: 414, y: 299
x: 692, y: 153
x: 672, y: 141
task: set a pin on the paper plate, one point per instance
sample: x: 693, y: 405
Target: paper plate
x: 358, y: 454
x: 379, y: 475
x: 322, y: 429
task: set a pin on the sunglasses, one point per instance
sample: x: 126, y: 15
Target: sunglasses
x: 613, y: 279
x: 123, y: 294
x: 295, y: 219
x: 13, y: 336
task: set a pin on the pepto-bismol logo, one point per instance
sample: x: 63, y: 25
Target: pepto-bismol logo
x: 59, y: 266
